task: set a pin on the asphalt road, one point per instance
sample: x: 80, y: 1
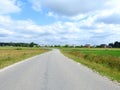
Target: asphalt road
x: 52, y: 71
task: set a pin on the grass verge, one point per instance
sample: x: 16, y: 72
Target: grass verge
x: 106, y: 65
x: 12, y: 55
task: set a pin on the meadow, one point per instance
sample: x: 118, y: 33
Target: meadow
x: 106, y: 61
x: 11, y: 55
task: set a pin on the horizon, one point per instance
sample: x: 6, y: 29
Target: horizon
x: 115, y: 44
x: 60, y: 22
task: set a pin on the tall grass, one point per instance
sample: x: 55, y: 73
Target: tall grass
x: 13, y: 55
x: 106, y: 60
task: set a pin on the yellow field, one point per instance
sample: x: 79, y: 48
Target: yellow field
x: 10, y: 56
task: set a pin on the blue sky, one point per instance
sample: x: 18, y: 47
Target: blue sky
x: 60, y: 21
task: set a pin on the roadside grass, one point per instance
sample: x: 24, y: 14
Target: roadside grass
x: 11, y: 55
x: 107, y: 63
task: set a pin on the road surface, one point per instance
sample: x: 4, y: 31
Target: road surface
x: 52, y: 71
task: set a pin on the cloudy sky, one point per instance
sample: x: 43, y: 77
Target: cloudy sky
x: 60, y: 21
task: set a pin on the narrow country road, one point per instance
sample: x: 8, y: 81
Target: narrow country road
x: 52, y: 71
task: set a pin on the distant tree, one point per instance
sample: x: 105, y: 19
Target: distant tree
x: 11, y: 44
x: 117, y: 44
x: 31, y: 44
x: 18, y: 44
x: 111, y: 45
x: 56, y: 45
x: 66, y: 45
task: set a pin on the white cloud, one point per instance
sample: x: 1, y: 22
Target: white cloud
x: 106, y: 11
x: 77, y: 32
x: 110, y: 19
x: 51, y: 14
x: 5, y: 20
x: 36, y: 5
x: 4, y: 31
x: 8, y: 6
x: 114, y: 4
x: 69, y: 7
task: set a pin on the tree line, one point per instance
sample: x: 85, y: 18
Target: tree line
x: 114, y: 45
x: 32, y: 44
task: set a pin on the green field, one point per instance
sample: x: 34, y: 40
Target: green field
x: 105, y: 61
x: 98, y: 51
x: 10, y: 55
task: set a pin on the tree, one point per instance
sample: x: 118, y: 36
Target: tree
x: 111, y: 45
x: 66, y: 45
x: 117, y: 44
x: 31, y: 44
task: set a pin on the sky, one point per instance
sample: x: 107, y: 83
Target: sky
x: 61, y: 22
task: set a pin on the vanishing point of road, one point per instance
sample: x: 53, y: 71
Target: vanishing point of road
x: 52, y: 71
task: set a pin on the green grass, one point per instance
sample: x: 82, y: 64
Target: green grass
x: 103, y: 52
x: 104, y: 61
x: 11, y: 55
x: 98, y: 51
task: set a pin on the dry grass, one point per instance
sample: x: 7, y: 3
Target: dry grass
x: 10, y: 56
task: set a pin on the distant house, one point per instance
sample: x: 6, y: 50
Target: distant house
x: 103, y: 45
x: 87, y: 45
